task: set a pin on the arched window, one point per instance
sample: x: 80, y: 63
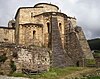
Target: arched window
x: 34, y: 32
x: 31, y: 15
x: 48, y: 26
x: 60, y: 28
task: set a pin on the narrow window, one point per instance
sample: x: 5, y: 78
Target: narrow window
x: 48, y: 26
x: 5, y: 39
x: 34, y: 32
x: 60, y: 26
x: 13, y: 25
x: 45, y: 59
x: 31, y: 15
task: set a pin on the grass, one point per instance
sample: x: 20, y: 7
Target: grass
x: 57, y: 73
x: 90, y: 62
x: 54, y: 73
x: 18, y: 75
x: 91, y: 77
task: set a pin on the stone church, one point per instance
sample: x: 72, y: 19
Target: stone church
x: 41, y: 37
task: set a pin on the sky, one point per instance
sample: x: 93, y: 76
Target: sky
x: 87, y: 12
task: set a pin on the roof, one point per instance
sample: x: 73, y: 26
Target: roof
x: 71, y: 17
x: 52, y: 13
x: 6, y: 27
x: 19, y: 9
x: 34, y: 7
x: 33, y: 24
x: 24, y: 8
x: 47, y: 4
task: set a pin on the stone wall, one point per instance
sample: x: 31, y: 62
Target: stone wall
x: 76, y: 45
x: 84, y: 44
x: 47, y: 7
x: 7, y: 35
x: 33, y: 59
x: 17, y: 28
x: 73, y: 49
x: 26, y: 15
x: 47, y: 25
x: 97, y: 59
x: 73, y: 21
x: 59, y: 57
x: 25, y: 59
x: 72, y: 45
x: 30, y: 34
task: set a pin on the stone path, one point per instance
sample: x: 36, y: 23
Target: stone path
x: 79, y: 74
x: 6, y: 77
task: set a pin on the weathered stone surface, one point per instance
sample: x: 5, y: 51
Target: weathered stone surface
x: 84, y: 44
x: 58, y: 53
x: 34, y: 59
x: 27, y: 58
x: 7, y: 35
x: 97, y: 59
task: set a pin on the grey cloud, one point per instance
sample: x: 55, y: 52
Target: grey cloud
x: 88, y: 14
x: 86, y: 11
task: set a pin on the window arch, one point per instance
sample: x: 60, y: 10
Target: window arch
x: 60, y: 26
x: 34, y: 33
x: 31, y: 14
x: 48, y: 26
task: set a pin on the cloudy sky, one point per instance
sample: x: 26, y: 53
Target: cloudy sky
x: 87, y: 12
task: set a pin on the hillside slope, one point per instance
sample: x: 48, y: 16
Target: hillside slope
x: 94, y: 44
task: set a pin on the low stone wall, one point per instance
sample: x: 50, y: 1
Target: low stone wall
x: 22, y: 58
x: 97, y: 59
